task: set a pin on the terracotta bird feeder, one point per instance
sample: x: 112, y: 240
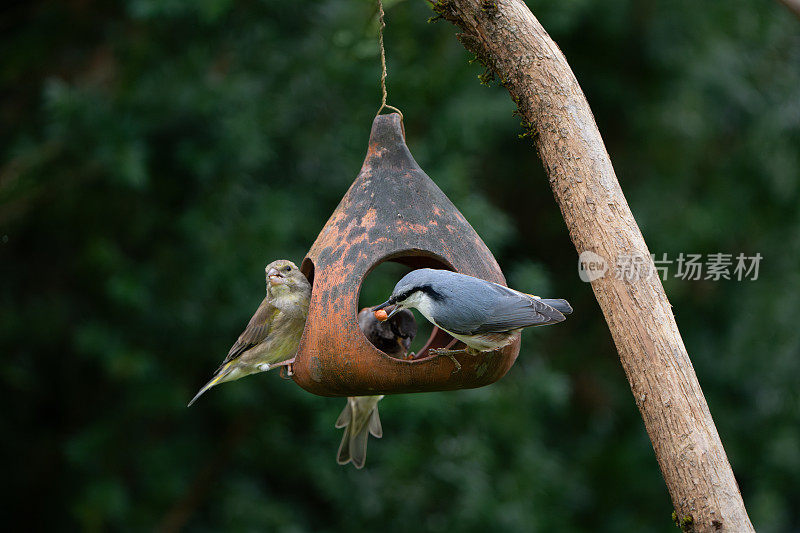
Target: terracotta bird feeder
x: 392, y: 212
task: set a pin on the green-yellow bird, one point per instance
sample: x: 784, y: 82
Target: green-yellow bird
x: 273, y: 334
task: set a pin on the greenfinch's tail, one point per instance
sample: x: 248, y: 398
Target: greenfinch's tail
x: 218, y: 378
x: 359, y: 419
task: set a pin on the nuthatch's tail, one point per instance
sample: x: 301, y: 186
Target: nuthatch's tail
x: 218, y: 378
x: 558, y: 304
x: 359, y: 418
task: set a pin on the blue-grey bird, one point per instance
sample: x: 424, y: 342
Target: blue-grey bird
x: 483, y: 315
x: 273, y: 334
x: 360, y: 416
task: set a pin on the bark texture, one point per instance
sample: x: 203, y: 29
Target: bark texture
x: 794, y: 5
x: 509, y: 40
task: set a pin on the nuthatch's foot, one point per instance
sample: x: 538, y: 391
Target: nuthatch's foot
x: 449, y: 353
x: 457, y: 369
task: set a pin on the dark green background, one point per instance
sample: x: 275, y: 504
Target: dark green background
x: 156, y: 154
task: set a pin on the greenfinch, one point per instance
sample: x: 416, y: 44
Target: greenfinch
x: 273, y: 334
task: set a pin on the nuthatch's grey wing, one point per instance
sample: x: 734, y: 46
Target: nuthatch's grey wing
x: 513, y: 310
x: 256, y: 332
x: 471, y: 306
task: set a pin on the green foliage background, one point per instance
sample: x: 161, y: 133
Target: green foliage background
x: 157, y: 154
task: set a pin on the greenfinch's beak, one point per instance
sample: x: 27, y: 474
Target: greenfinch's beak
x: 275, y: 277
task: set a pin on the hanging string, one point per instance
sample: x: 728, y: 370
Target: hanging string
x: 382, y: 25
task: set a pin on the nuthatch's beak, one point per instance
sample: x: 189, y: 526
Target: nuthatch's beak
x: 394, y: 311
x: 387, y: 303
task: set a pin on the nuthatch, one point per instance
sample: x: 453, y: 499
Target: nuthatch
x: 273, y: 334
x: 360, y: 416
x: 483, y: 315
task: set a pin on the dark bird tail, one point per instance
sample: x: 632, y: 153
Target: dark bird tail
x: 359, y: 418
x: 558, y: 304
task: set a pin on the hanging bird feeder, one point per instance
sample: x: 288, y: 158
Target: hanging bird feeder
x: 392, y: 212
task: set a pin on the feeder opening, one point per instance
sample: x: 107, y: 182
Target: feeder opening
x: 307, y: 269
x: 378, y: 284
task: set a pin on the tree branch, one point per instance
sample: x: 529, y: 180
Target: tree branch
x: 793, y: 5
x: 506, y: 36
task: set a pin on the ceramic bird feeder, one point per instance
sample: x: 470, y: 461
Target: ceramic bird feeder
x: 392, y: 212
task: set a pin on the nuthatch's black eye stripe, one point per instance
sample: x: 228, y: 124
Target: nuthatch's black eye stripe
x: 430, y: 291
